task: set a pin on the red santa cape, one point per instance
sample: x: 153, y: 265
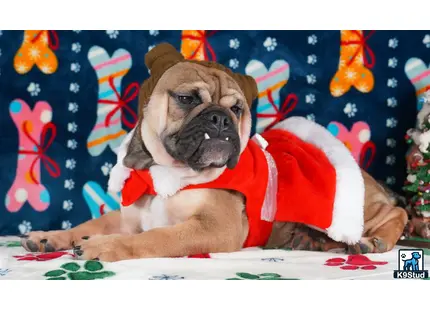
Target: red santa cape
x: 317, y: 180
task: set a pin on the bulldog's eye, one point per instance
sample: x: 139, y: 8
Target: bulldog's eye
x: 186, y: 99
x: 236, y: 109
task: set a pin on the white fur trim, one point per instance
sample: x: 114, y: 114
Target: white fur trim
x: 120, y: 173
x: 348, y: 214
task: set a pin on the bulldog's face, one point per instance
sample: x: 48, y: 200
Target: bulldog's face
x: 197, y: 117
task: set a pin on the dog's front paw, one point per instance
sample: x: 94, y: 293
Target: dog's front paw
x: 108, y: 248
x: 47, y: 241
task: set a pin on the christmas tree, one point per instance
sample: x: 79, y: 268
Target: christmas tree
x: 418, y: 179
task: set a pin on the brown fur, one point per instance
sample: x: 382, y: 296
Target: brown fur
x: 204, y: 220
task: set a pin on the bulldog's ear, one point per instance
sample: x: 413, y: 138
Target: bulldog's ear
x: 248, y: 86
x: 162, y: 57
x: 137, y: 156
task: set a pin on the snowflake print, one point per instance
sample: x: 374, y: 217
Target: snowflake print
x: 390, y: 160
x: 311, y: 79
x: 393, y: 43
x: 233, y: 63
x: 106, y: 168
x: 272, y: 259
x: 33, y: 89
x: 350, y: 74
x: 24, y: 227
x: 392, y: 83
x: 363, y: 87
x: 390, y: 180
x: 338, y: 91
x: 311, y: 117
x: 65, y: 225
x: 113, y: 34
x: 70, y: 164
x: 310, y: 98
x: 72, y: 127
x: 392, y: 102
x: 73, y: 107
x: 75, y: 67
x: 391, y: 122
x: 392, y: 62
x: 350, y: 109
x: 46, y: 68
x: 74, y: 87
x: 76, y: 47
x: 4, y: 272
x: 34, y: 53
x: 69, y: 184
x: 154, y: 33
x: 391, y: 142
x: 426, y: 40
x: 67, y: 205
x: 234, y: 43
x: 72, y: 144
x: 21, y: 67
x: 270, y: 44
x: 312, y: 59
x: 166, y: 277
x: 312, y: 39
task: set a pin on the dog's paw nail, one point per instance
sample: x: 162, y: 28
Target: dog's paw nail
x: 49, y: 248
x: 78, y: 247
x: 364, y: 248
x: 85, y: 237
x: 78, y: 252
x: 32, y: 246
x: 23, y: 236
x: 96, y: 259
x: 43, y: 241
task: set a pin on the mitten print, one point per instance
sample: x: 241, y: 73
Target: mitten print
x: 111, y: 107
x: 98, y: 200
x: 36, y: 134
x: 419, y: 75
x: 195, y: 45
x: 37, y: 49
x: 356, y: 58
x: 269, y: 83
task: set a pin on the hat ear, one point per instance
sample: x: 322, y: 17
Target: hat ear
x: 248, y: 86
x: 161, y: 57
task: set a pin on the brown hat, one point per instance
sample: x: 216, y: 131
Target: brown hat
x: 163, y: 56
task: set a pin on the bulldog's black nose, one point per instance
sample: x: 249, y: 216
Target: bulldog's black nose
x: 220, y: 120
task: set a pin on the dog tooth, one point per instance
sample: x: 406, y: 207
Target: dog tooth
x: 207, y: 136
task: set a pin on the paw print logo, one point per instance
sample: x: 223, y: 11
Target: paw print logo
x: 24, y: 227
x: 33, y: 89
x: 72, y: 127
x: 312, y: 59
x: 272, y: 259
x: 392, y: 83
x: 270, y: 44
x: 390, y: 160
x: 70, y: 164
x: 392, y: 102
x: 391, y: 142
x: 312, y: 39
x: 392, y: 62
x: 69, y: 184
x: 4, y: 272
x: 92, y: 270
x: 67, y: 205
x: 73, y: 107
x: 350, y: 109
x: 154, y: 33
x: 234, y: 43
x: 77, y: 31
x: 113, y: 34
x: 311, y: 79
x: 72, y: 144
x: 234, y: 63
x: 261, y: 276
x: 75, y: 67
x: 74, y: 87
x: 393, y: 43
x: 76, y: 47
x: 354, y: 262
x: 166, y: 277
x: 106, y: 168
x: 66, y: 225
x: 390, y: 180
x: 391, y: 122
x: 310, y: 98
x: 311, y: 117
x: 426, y: 40
x: 403, y: 255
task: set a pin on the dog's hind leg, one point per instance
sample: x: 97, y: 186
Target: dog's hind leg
x: 383, y: 227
